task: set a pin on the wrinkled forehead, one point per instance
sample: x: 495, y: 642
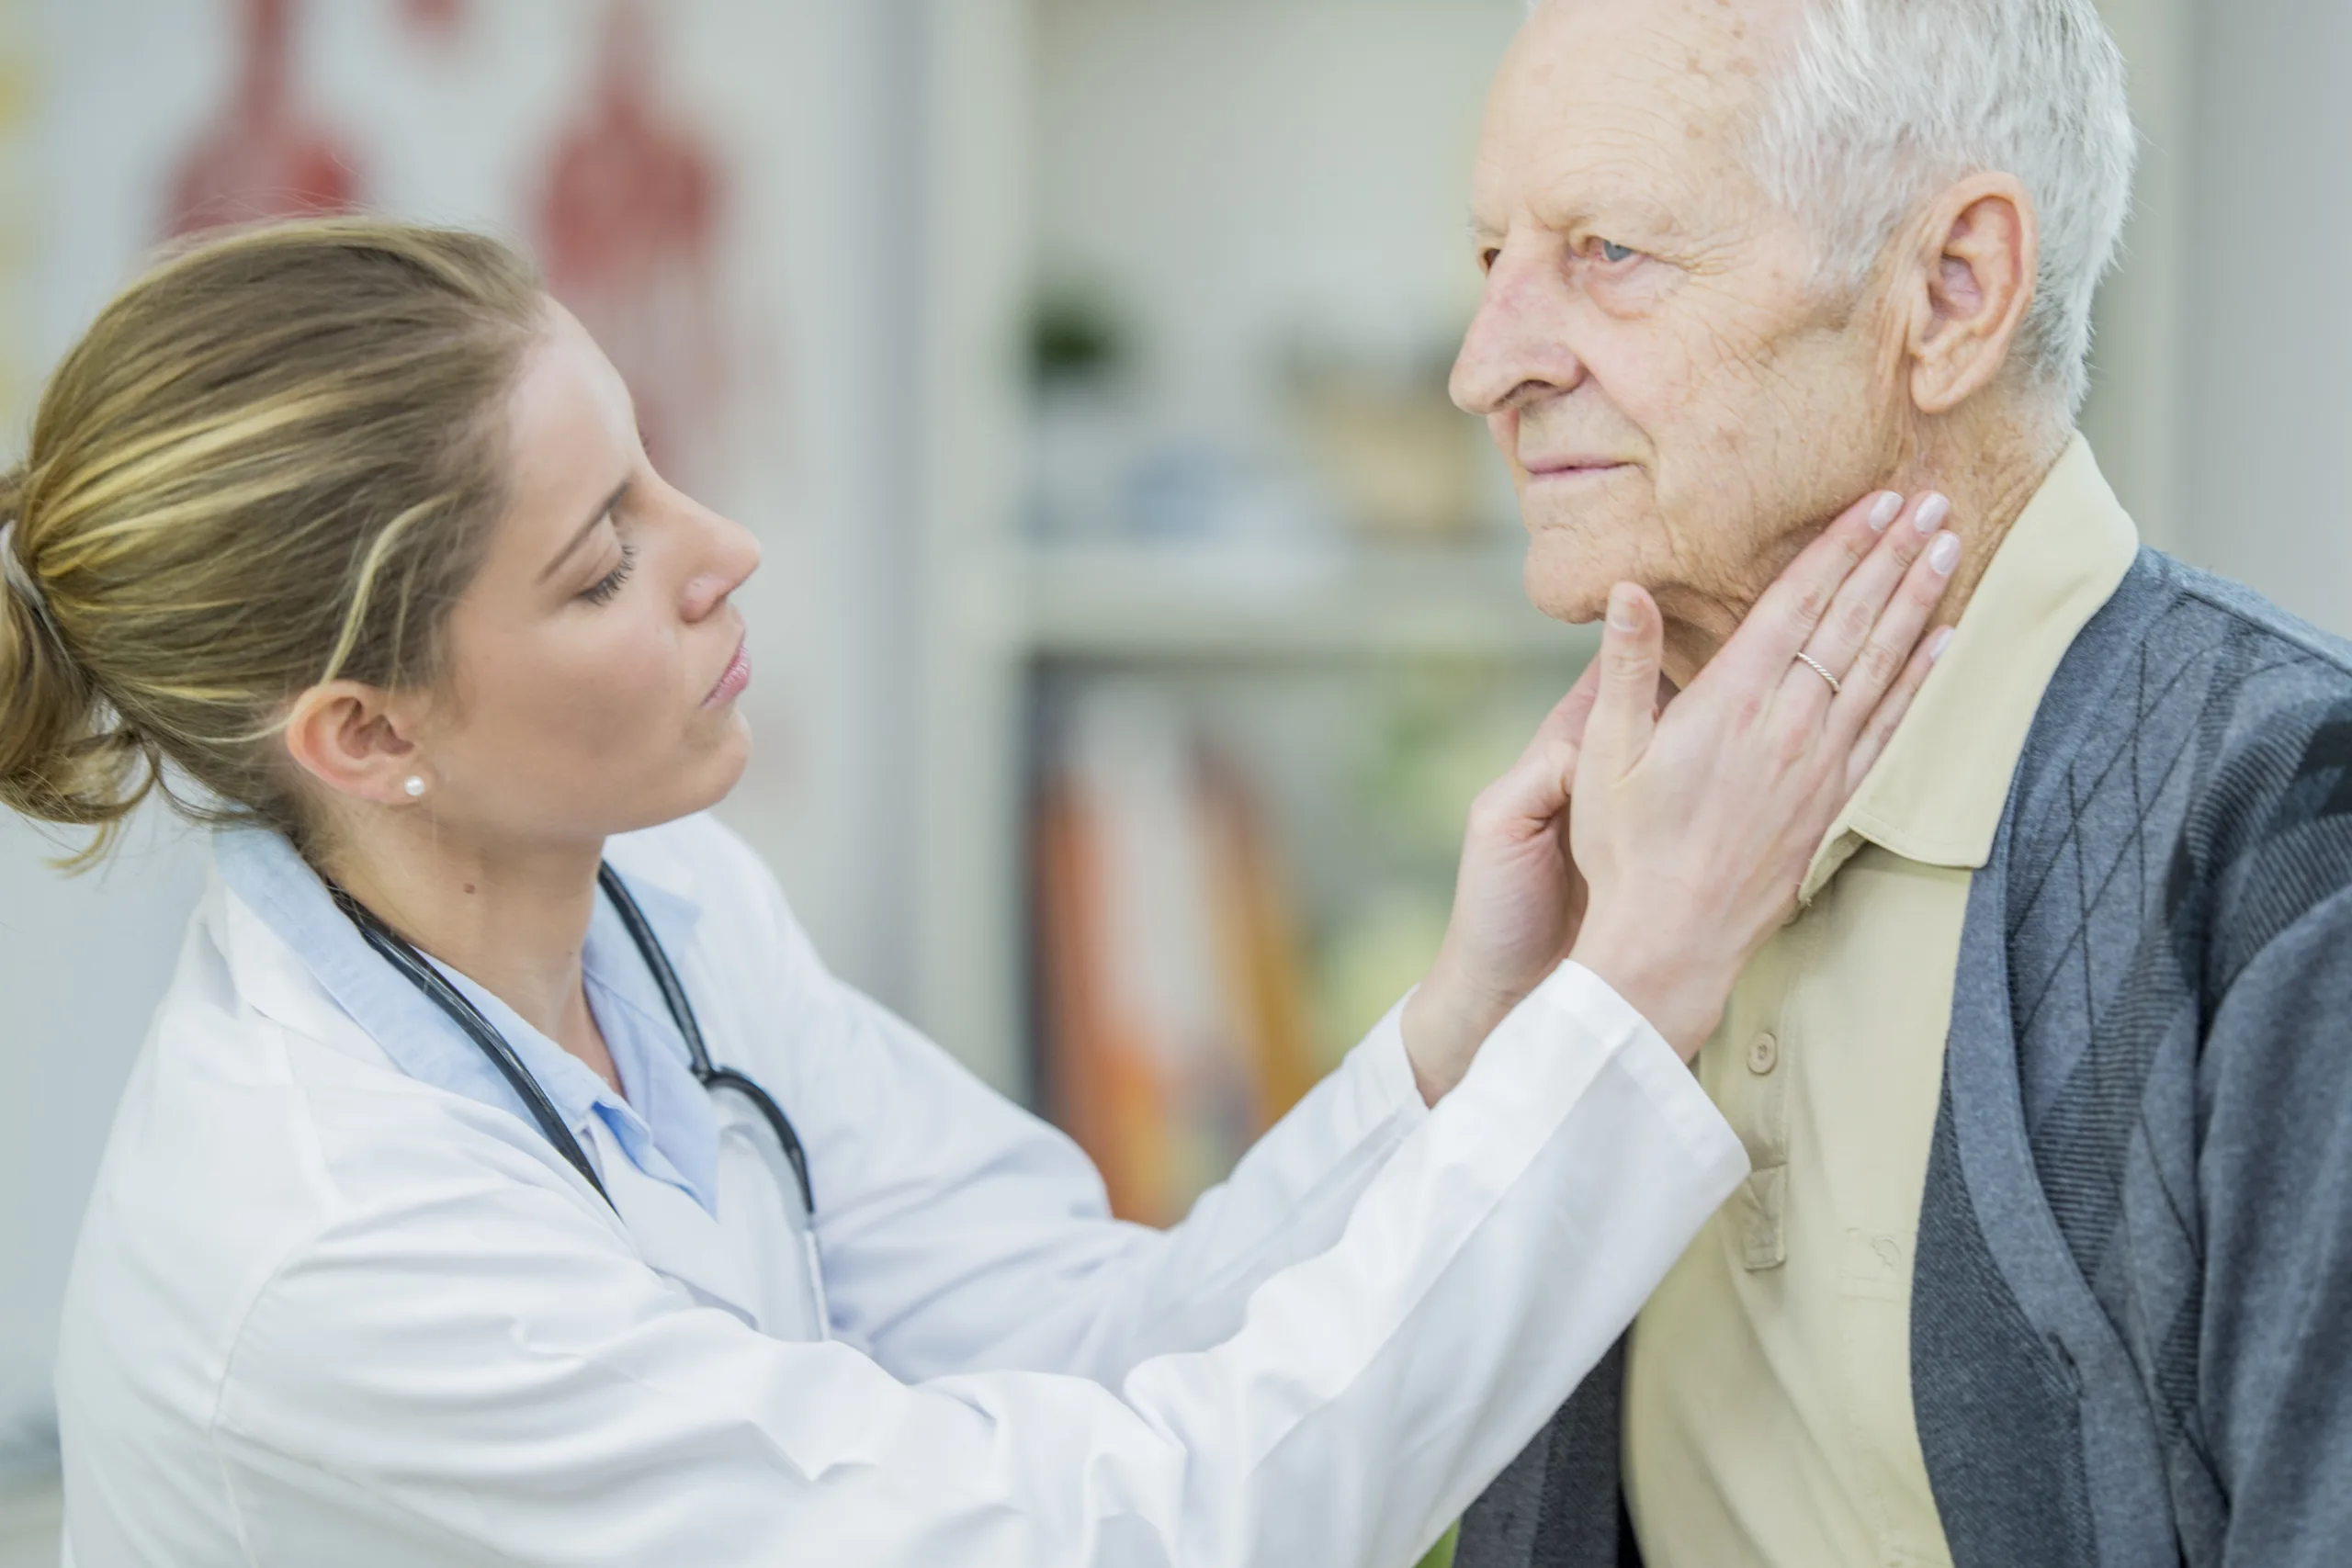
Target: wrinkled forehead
x: 1638, y: 101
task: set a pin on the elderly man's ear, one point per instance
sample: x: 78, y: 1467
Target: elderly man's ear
x: 1968, y: 289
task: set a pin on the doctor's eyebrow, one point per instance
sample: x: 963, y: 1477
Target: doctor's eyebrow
x: 603, y: 511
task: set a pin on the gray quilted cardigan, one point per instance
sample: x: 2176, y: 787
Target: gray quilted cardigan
x: 2132, y: 1310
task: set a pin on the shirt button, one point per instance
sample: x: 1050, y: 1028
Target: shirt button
x: 1763, y: 1055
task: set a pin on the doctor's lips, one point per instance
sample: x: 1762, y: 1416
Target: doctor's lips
x: 738, y: 676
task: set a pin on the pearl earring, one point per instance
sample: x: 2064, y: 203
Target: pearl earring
x: 415, y: 786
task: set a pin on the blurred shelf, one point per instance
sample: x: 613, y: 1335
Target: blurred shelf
x: 1129, y: 601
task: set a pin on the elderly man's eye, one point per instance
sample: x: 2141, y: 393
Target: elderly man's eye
x: 1616, y: 254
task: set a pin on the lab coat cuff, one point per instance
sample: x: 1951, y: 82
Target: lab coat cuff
x: 1382, y: 1083
x: 1577, y: 1011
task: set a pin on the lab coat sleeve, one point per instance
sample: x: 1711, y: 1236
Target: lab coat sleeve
x: 960, y: 1232
x: 486, y: 1374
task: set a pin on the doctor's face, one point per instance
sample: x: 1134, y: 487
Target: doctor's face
x: 596, y: 660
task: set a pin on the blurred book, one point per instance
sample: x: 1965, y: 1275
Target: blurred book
x: 1170, y: 976
x: 1402, y: 462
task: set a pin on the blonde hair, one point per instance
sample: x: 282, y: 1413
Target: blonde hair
x: 271, y: 462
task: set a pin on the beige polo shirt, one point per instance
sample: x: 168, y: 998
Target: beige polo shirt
x: 1768, y: 1400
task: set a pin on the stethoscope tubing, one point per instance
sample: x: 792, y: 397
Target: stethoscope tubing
x: 712, y: 1077
x: 419, y: 972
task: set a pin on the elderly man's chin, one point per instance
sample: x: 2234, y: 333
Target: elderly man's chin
x: 1579, y: 546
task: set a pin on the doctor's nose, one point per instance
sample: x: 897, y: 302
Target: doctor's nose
x: 1517, y: 349
x: 730, y: 555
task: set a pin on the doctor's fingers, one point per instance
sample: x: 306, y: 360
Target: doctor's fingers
x: 1551, y: 754
x: 1875, y: 673
x: 1535, y: 789
x: 1626, y: 709
x: 1865, y: 603
x: 1878, y: 730
x: 1790, y: 612
x: 1564, y: 726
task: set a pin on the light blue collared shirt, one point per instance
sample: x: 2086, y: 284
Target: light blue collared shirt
x: 665, y: 1126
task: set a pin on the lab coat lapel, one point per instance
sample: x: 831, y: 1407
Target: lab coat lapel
x: 673, y: 1233
x: 271, y: 979
x: 676, y: 1237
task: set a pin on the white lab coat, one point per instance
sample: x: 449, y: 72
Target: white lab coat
x: 325, y: 1313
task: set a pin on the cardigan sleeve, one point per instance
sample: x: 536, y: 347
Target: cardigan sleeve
x: 2272, y: 1358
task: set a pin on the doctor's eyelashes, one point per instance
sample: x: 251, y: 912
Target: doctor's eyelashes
x: 608, y: 585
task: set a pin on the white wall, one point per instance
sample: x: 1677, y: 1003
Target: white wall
x: 81, y: 966
x: 1247, y: 169
x: 2270, y: 411
x: 2140, y: 363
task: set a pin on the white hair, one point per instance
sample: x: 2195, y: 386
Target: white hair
x: 1886, y: 102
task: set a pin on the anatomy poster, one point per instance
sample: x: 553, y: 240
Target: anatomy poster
x: 624, y: 211
x: 628, y: 226
x: 434, y: 17
x: 264, y: 154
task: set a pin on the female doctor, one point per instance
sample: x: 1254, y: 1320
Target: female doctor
x: 505, y: 1178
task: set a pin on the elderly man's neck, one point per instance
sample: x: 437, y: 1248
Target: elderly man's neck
x: 1990, y: 460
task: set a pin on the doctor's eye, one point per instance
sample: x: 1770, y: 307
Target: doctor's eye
x: 602, y: 592
x: 1616, y: 254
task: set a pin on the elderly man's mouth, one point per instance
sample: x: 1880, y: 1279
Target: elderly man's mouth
x: 1573, y: 469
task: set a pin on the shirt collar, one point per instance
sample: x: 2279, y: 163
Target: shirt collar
x: 1937, y: 793
x: 667, y: 1126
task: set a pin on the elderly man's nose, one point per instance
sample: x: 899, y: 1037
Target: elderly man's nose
x: 1516, y: 348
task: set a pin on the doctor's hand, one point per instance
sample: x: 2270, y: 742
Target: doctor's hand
x: 1518, y: 902
x: 1694, y: 827
x: 1521, y: 900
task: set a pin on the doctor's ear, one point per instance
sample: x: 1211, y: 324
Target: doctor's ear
x: 1965, y: 289
x: 346, y: 737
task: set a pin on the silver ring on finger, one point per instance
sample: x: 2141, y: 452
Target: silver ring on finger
x: 1836, y: 687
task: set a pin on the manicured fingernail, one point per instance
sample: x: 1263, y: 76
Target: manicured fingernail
x: 1944, y: 554
x: 1624, y: 609
x: 1931, y: 514
x: 1889, y: 508
x: 1937, y: 644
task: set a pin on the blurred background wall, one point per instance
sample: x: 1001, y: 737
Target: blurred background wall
x: 1137, y: 618
x: 2267, y: 317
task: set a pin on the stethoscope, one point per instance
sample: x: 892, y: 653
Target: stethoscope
x: 414, y: 966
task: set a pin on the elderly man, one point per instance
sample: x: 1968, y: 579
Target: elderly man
x: 2051, y: 1261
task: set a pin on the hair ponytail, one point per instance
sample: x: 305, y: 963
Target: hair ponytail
x: 64, y: 757
x: 271, y: 460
